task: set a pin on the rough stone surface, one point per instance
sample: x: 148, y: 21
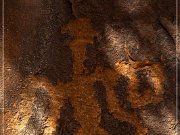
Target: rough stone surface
x: 89, y: 67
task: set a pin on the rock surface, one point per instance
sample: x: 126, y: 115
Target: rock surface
x: 90, y: 67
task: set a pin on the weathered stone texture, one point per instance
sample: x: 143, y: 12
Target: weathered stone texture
x: 90, y: 67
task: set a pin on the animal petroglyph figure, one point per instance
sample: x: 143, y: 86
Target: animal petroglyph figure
x: 155, y: 74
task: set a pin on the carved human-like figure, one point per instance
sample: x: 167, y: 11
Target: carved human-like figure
x: 80, y: 90
x: 83, y: 33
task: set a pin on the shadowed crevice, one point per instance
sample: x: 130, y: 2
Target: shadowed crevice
x: 108, y: 122
x: 67, y: 124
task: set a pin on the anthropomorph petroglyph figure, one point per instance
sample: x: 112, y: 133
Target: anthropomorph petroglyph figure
x: 80, y: 91
x: 83, y: 33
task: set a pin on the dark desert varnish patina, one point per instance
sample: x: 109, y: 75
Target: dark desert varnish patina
x: 94, y: 67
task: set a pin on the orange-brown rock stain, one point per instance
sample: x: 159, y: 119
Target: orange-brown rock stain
x: 56, y: 100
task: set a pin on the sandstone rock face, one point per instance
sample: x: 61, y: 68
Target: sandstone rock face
x: 89, y: 67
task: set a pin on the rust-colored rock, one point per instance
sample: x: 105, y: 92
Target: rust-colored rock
x: 94, y: 67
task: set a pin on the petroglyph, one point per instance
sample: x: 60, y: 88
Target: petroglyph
x: 80, y: 91
x: 82, y: 31
x: 153, y: 71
